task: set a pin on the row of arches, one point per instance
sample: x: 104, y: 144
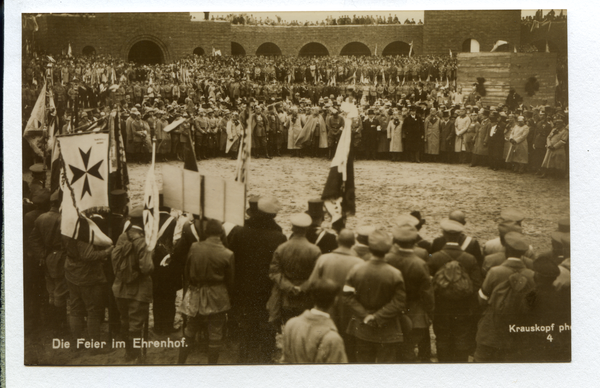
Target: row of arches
x: 318, y: 49
x: 149, y: 52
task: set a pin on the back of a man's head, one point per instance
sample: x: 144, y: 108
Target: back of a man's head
x: 346, y: 238
x: 214, y: 228
x: 323, y: 293
x: 458, y: 216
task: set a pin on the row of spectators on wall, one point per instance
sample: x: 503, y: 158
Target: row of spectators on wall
x: 251, y: 20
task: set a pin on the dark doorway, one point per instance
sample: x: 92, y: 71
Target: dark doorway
x: 396, y: 48
x: 313, y: 49
x: 199, y: 51
x: 146, y: 52
x: 88, y: 50
x: 268, y: 49
x: 356, y: 49
x: 237, y: 49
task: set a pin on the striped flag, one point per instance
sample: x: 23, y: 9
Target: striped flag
x: 244, y: 153
x: 339, y: 192
x: 411, y: 49
x: 117, y: 160
x: 151, y: 205
x: 35, y: 125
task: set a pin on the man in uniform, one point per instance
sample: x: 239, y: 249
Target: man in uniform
x: 201, y: 127
x: 316, y: 234
x: 38, y: 175
x: 335, y: 125
x: 46, y: 247
x: 507, y: 216
x: 209, y: 269
x: 253, y: 246
x: 494, y: 343
x: 133, y: 298
x: 374, y: 292
x: 292, y: 265
x: 313, y: 337
x: 453, y: 321
x: 467, y: 243
x: 334, y: 267
x: 419, y: 292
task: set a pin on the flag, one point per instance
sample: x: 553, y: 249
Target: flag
x: 547, y: 47
x: 375, y: 49
x: 515, y: 49
x: 117, y: 159
x: 498, y: 44
x: 53, y: 132
x: 84, y: 182
x: 244, y: 153
x: 151, y: 205
x: 338, y: 194
x: 450, y: 53
x: 189, y: 155
x: 411, y: 49
x: 69, y: 51
x: 35, y: 125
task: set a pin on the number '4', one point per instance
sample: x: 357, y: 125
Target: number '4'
x: 549, y: 338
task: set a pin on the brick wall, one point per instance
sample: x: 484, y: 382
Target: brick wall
x: 115, y: 33
x: 291, y: 39
x: 178, y: 36
x: 444, y: 30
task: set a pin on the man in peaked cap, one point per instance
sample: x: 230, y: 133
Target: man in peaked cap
x: 334, y: 267
x: 499, y: 257
x: 361, y: 247
x: 325, y: 240
x: 507, y: 216
x: 38, y: 177
x: 408, y: 219
x: 292, y: 265
x: 493, y: 343
x: 46, y: 247
x: 375, y: 294
x: 419, y: 293
x: 253, y: 245
x: 455, y: 320
x: 558, y: 237
x: 467, y: 243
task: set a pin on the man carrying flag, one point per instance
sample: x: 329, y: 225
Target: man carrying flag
x: 35, y: 125
x: 338, y: 194
x: 84, y: 183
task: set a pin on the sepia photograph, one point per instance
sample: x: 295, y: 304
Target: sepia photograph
x: 308, y: 187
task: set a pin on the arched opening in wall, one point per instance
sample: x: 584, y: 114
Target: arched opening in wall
x: 356, y: 49
x: 268, y: 49
x: 396, y: 48
x: 88, y: 51
x: 146, y: 52
x: 541, y: 46
x: 237, y: 49
x: 470, y: 46
x: 313, y: 49
x: 199, y: 51
x: 501, y: 46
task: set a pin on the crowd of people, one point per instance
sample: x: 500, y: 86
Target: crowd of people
x: 401, y: 109
x: 368, y: 295
x: 345, y: 20
x: 539, y: 17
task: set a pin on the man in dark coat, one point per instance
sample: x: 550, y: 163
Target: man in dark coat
x: 413, y: 133
x: 467, y: 243
x: 453, y: 321
x: 253, y: 246
x: 541, y: 132
x: 496, y: 141
x: 46, y: 246
x: 447, y: 136
x: 369, y: 135
x: 326, y: 241
x: 419, y: 292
